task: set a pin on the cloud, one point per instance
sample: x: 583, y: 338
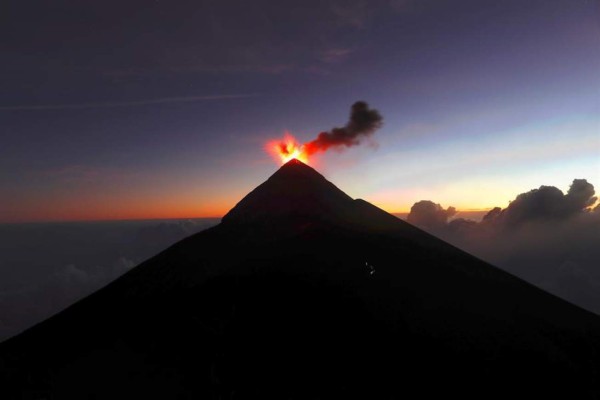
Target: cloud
x: 74, y: 173
x: 47, y: 267
x: 332, y: 56
x: 573, y: 282
x: 400, y: 5
x: 545, y: 203
x: 77, y: 173
x: 353, y: 13
x: 116, y: 104
x: 581, y: 195
x: 164, y: 233
x: 544, y: 236
x: 429, y: 215
x: 22, y: 307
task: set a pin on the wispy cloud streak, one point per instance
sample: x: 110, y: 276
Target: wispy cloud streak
x: 165, y: 100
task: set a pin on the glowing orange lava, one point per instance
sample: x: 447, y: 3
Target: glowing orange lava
x: 287, y: 149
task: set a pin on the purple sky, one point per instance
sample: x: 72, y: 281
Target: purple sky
x: 144, y: 109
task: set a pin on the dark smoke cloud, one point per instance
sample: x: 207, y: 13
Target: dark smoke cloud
x: 544, y: 236
x: 364, y: 121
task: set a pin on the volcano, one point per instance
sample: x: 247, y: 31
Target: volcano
x: 302, y: 292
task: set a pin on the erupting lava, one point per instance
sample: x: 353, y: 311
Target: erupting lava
x: 363, y: 122
x: 287, y: 149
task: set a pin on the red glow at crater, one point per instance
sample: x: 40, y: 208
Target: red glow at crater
x: 287, y: 149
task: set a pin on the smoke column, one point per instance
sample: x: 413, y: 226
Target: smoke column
x: 363, y: 122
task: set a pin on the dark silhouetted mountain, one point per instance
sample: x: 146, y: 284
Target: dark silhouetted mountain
x: 304, y: 293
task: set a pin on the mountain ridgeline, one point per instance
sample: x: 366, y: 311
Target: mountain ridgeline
x: 303, y: 293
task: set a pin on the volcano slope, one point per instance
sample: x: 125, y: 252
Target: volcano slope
x: 304, y: 293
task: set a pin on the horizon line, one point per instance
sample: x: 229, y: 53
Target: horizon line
x: 50, y: 221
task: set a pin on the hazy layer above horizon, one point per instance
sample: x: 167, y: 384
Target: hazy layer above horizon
x: 44, y: 267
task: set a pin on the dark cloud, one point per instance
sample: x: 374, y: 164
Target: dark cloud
x: 581, y: 195
x: 544, y: 236
x: 460, y: 225
x: 363, y: 122
x: 429, y: 215
x: 492, y: 214
x: 545, y: 203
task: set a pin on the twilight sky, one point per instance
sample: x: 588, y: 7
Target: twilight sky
x: 154, y: 109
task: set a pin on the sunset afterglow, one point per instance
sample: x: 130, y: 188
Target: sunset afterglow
x: 275, y: 199
x: 177, y: 126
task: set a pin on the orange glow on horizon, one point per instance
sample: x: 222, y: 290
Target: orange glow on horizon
x: 113, y: 209
x: 287, y: 149
x: 135, y: 209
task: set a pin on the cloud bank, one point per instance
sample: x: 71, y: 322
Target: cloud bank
x: 544, y: 236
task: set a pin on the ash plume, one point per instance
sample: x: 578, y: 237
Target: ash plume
x: 363, y: 122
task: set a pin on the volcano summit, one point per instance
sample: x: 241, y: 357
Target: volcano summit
x: 303, y: 293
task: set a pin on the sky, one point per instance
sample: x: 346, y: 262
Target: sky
x: 161, y: 109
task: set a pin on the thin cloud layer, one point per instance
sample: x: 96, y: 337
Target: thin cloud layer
x: 116, y: 104
x: 71, y: 261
